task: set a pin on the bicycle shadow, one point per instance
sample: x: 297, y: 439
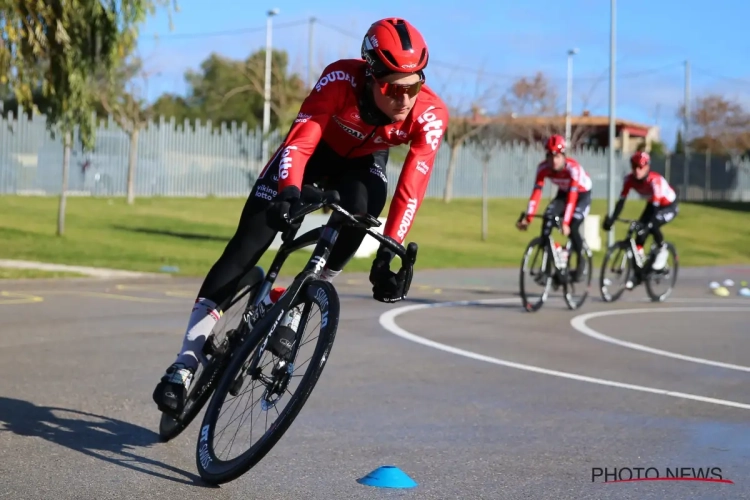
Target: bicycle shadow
x: 104, y: 438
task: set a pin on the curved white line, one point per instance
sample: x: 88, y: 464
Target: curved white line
x: 579, y: 323
x: 387, y: 321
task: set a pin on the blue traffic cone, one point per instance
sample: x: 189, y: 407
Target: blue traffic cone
x: 387, y: 476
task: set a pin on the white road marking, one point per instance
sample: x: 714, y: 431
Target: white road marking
x: 579, y: 323
x: 387, y: 321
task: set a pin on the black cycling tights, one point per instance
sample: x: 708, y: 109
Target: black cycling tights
x: 657, y: 217
x: 362, y: 186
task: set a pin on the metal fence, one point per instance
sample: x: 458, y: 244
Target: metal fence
x: 199, y: 160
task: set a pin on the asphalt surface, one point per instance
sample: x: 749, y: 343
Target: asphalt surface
x: 80, y: 358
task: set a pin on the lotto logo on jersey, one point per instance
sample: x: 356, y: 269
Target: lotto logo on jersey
x: 433, y: 127
x: 286, y: 162
x: 411, y: 209
x: 302, y: 118
x: 334, y: 76
x: 423, y: 167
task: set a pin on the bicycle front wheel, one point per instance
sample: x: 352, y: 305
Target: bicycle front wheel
x: 532, y: 277
x: 576, y: 291
x: 667, y: 274
x: 264, y: 392
x: 619, y: 261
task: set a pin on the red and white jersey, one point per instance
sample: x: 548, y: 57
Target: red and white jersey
x: 331, y: 113
x: 572, y: 178
x: 654, y: 187
x: 571, y: 175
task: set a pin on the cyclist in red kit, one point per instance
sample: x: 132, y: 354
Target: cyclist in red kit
x: 660, y: 209
x: 357, y: 111
x: 573, y: 199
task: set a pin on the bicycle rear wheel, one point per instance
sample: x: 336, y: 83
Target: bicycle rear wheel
x: 668, y: 273
x: 619, y: 255
x: 217, y: 349
x: 542, y: 277
x: 270, y: 388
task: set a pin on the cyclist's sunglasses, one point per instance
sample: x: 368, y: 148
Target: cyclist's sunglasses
x: 397, y: 90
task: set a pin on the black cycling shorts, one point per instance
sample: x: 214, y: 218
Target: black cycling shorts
x: 557, y: 206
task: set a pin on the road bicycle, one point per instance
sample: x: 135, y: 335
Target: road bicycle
x: 237, y: 359
x: 554, y: 269
x: 635, y: 267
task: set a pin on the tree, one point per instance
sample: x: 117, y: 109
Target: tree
x: 226, y: 90
x: 485, y: 142
x: 122, y: 98
x: 658, y: 149
x: 62, y: 45
x: 720, y: 125
x: 534, y: 112
x: 287, y: 90
x: 679, y: 146
x: 458, y: 132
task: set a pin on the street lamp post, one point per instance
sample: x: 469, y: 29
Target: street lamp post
x: 611, y: 170
x: 267, y: 89
x: 569, y: 99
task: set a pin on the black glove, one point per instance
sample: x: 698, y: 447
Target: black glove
x: 388, y: 286
x: 277, y: 214
x: 607, y: 223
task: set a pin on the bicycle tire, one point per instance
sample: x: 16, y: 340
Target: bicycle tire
x: 524, y: 264
x: 619, y: 245
x: 573, y: 305
x: 661, y: 298
x: 171, y: 427
x: 214, y: 471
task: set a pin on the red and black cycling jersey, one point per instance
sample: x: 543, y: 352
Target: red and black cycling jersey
x: 654, y: 187
x: 331, y: 113
x: 572, y: 178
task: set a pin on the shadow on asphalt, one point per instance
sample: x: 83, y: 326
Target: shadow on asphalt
x: 104, y: 438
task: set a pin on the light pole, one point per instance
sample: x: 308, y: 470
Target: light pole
x: 569, y: 100
x: 267, y: 89
x: 611, y: 170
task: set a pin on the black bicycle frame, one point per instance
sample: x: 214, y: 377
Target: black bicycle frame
x: 547, y: 225
x: 324, y: 237
x: 635, y: 227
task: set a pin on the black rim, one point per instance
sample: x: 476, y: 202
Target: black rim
x: 618, y: 250
x: 670, y: 274
x: 534, y: 250
x: 584, y: 285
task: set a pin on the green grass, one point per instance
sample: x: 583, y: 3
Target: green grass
x: 191, y: 233
x: 17, y: 274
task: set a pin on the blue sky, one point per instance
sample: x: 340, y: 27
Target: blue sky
x: 505, y: 40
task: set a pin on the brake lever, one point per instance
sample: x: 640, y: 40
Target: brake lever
x: 410, y: 256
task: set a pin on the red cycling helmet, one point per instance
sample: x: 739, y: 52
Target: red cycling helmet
x: 555, y: 144
x: 393, y: 45
x: 639, y: 159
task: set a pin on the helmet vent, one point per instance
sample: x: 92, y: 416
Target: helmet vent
x: 403, y: 34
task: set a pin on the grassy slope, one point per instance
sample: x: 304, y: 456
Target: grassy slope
x: 191, y: 233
